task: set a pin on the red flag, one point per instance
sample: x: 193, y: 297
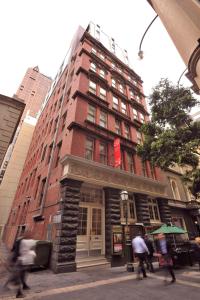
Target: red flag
x: 117, y: 152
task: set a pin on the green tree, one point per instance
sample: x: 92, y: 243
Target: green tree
x: 171, y: 137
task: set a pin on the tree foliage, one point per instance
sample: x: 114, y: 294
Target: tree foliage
x: 172, y: 137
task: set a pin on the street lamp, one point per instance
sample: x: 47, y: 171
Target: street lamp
x: 127, y: 242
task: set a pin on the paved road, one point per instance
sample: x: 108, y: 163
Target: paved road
x: 107, y: 283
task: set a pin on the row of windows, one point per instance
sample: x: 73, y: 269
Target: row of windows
x: 116, y: 67
x: 103, y: 121
x: 118, y: 103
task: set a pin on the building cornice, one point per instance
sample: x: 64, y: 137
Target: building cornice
x: 81, y: 169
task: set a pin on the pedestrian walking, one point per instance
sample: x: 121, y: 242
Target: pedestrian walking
x: 23, y: 255
x: 149, y: 257
x: 164, y: 249
x: 140, y: 250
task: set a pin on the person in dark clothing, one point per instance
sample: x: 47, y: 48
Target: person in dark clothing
x: 163, y: 248
x: 149, y: 257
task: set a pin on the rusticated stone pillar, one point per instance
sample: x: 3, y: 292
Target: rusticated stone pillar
x: 142, y: 209
x: 112, y: 216
x: 164, y: 209
x: 64, y: 248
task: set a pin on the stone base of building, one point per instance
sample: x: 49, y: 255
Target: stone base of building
x: 64, y: 267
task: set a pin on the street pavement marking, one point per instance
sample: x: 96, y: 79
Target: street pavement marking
x: 94, y: 284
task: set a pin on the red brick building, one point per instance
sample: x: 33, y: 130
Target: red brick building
x: 69, y: 191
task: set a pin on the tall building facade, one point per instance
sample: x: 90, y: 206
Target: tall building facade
x: 32, y: 90
x: 182, y: 22
x: 69, y: 190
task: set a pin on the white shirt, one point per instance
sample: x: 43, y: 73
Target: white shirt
x: 139, y: 245
x: 27, y: 254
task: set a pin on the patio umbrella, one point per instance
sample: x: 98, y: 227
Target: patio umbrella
x: 169, y: 229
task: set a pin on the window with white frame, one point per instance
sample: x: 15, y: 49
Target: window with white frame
x: 91, y: 113
x: 123, y: 107
x: 119, y: 70
x: 115, y: 102
x: 118, y: 127
x: 135, y: 114
x: 153, y: 210
x: 103, y: 119
x: 137, y: 98
x: 128, y: 211
x: 93, y: 67
x: 113, y: 66
x: 121, y: 88
x: 175, y: 189
x: 102, y: 93
x: 93, y: 50
x: 139, y: 137
x: 102, y: 73
x: 92, y: 87
x: 103, y: 153
x: 142, y: 119
x: 127, y: 133
x: 130, y: 162
x: 114, y: 83
x: 132, y: 94
x: 89, y: 148
x: 101, y: 56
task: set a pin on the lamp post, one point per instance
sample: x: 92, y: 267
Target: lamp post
x: 127, y: 242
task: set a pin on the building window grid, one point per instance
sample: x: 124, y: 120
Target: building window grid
x: 91, y: 114
x: 92, y: 87
x: 118, y: 127
x: 103, y: 119
x: 130, y: 162
x: 103, y: 153
x: 153, y: 210
x: 123, y: 107
x: 115, y: 103
x: 102, y: 93
x: 127, y: 132
x: 89, y: 149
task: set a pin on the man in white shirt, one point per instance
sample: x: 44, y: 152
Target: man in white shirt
x: 140, y: 251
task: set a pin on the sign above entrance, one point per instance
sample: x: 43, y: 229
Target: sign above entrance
x: 117, y: 152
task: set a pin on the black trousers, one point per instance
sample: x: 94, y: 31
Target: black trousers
x: 168, y: 266
x: 141, y: 259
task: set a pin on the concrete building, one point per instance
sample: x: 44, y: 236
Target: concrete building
x: 32, y: 90
x: 182, y: 22
x: 10, y: 113
x: 69, y: 190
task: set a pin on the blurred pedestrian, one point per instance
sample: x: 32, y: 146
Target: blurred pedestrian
x: 164, y: 249
x: 22, y: 258
x: 149, y: 257
x: 140, y: 250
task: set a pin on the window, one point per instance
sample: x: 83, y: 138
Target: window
x: 121, y: 88
x: 135, y: 114
x: 92, y: 87
x: 127, y: 133
x: 153, y: 210
x: 101, y: 56
x: 89, y: 149
x: 103, y: 153
x: 91, y: 113
x: 93, y: 50
x: 122, y: 166
x: 119, y: 70
x: 175, y: 190
x: 41, y: 191
x: 115, y: 103
x: 50, y: 151
x: 123, y: 107
x: 64, y: 120
x: 114, y: 83
x: 142, y: 118
x: 144, y: 169
x: 130, y: 162
x: 102, y: 73
x: 93, y: 67
x: 113, y: 66
x: 103, y: 119
x: 137, y: 98
x: 55, y: 125
x: 37, y: 185
x: 44, y: 153
x: 118, y: 127
x: 102, y: 93
x: 128, y: 211
x: 139, y: 137
x: 132, y: 94
x: 58, y: 150
x: 82, y: 227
